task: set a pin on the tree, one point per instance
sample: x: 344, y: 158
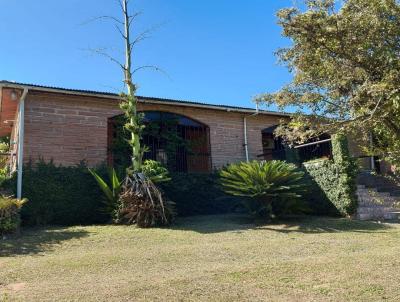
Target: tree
x: 346, y: 65
x: 140, y: 201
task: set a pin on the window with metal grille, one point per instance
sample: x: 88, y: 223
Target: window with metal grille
x: 179, y: 142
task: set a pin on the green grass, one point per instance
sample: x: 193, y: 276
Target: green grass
x: 209, y: 258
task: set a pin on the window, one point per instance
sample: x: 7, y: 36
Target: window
x: 179, y: 142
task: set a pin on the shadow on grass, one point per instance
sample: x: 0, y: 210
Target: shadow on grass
x: 214, y: 223
x: 36, y: 241
x: 312, y: 225
x: 300, y: 224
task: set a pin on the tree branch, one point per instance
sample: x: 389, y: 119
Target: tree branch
x: 144, y: 35
x: 133, y: 17
x: 103, y: 18
x: 154, y: 67
x: 101, y: 52
x: 120, y: 31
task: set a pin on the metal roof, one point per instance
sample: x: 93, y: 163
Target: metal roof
x: 144, y: 99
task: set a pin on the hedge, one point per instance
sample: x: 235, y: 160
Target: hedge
x: 60, y: 195
x: 333, y: 182
x: 199, y: 194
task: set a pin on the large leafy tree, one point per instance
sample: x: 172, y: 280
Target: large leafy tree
x: 345, y: 60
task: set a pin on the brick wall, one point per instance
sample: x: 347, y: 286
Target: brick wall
x: 69, y: 128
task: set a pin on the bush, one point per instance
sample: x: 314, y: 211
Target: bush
x: 271, y: 186
x: 4, y: 159
x: 61, y: 195
x: 198, y: 194
x: 334, y: 181
x: 9, y: 214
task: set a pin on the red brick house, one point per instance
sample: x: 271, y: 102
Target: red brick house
x: 68, y: 125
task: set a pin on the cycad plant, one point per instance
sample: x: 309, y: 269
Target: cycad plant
x: 263, y: 184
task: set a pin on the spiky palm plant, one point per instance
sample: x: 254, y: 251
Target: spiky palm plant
x: 263, y: 183
x: 111, y: 190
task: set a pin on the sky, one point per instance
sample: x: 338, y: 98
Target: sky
x: 212, y: 51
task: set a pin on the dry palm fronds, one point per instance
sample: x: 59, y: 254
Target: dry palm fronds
x: 142, y: 203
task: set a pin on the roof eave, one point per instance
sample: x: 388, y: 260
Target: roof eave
x: 142, y: 99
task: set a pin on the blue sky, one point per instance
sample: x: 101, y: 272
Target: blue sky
x: 215, y: 51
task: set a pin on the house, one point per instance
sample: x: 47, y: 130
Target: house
x: 68, y: 126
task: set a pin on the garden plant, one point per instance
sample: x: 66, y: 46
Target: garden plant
x: 9, y: 214
x: 140, y: 201
x: 268, y: 185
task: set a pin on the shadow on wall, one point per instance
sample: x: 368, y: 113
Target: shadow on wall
x: 36, y: 241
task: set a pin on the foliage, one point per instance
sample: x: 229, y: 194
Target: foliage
x: 121, y: 206
x: 4, y: 149
x: 60, y: 195
x: 155, y: 171
x: 110, y: 190
x: 199, y: 194
x: 264, y: 182
x: 344, y: 75
x: 336, y: 179
x: 9, y: 214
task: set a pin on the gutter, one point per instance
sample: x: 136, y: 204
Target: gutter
x: 246, y: 147
x: 21, y: 130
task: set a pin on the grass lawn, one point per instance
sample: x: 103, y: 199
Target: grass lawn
x: 207, y: 258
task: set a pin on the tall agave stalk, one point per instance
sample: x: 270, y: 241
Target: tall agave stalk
x: 140, y: 202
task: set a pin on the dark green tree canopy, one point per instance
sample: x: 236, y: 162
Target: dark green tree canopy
x: 345, y: 60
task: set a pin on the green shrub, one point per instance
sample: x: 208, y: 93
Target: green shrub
x: 333, y: 181
x: 4, y: 159
x: 155, y: 171
x: 9, y: 214
x: 199, y: 194
x: 61, y: 195
x: 267, y: 184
